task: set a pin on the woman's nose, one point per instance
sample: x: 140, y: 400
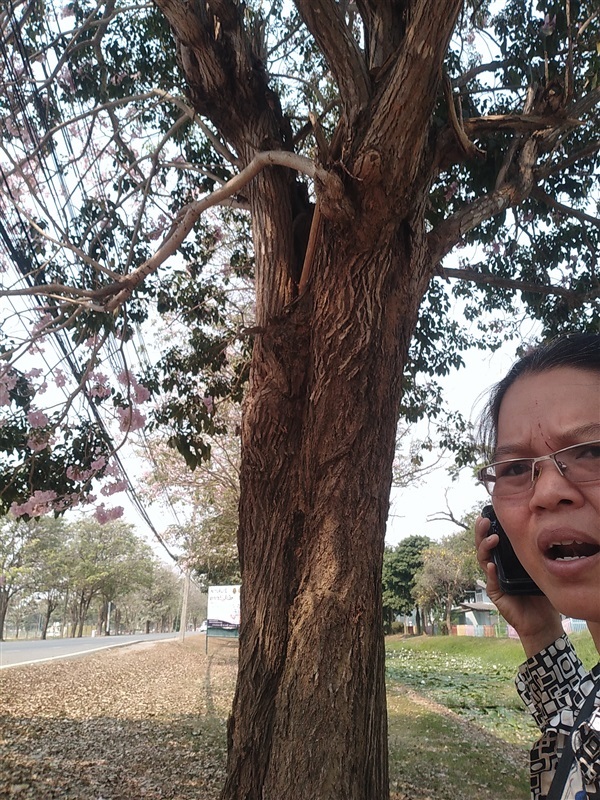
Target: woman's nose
x: 551, y: 486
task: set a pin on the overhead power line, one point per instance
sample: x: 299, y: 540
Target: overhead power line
x: 30, y: 111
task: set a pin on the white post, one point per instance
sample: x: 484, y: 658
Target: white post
x: 184, y: 605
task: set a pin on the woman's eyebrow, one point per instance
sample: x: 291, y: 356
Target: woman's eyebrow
x: 580, y: 434
x: 511, y: 450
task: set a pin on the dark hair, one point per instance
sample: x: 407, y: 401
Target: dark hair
x: 579, y: 350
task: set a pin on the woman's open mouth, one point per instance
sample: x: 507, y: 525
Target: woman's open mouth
x: 571, y: 551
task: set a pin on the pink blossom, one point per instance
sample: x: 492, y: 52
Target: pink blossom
x: 39, y: 503
x: 38, y: 441
x: 98, y: 464
x: 67, y: 501
x: 141, y: 393
x: 104, y: 515
x: 98, y: 385
x: 33, y: 373
x: 78, y: 474
x: 114, y: 488
x: 8, y: 381
x: 113, y: 470
x: 131, y: 419
x: 209, y: 404
x: 59, y: 377
x: 37, y: 419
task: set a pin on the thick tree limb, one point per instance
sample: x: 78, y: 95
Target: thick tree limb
x: 409, y: 90
x: 519, y: 123
x: 490, y: 66
x: 347, y: 63
x: 384, y: 23
x: 449, y: 232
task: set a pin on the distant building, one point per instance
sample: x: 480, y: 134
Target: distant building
x: 476, y: 609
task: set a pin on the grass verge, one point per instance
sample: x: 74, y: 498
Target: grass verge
x: 456, y: 724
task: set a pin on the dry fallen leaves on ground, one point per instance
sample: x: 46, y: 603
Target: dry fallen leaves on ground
x: 147, y: 721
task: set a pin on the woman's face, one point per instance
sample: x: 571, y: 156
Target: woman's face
x: 555, y: 526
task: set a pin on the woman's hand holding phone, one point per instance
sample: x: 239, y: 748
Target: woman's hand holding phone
x: 533, y: 617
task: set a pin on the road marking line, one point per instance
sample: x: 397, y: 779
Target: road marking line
x: 70, y: 655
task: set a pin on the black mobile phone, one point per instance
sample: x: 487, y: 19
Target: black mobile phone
x: 512, y: 576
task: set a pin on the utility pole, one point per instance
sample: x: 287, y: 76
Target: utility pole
x: 184, y: 605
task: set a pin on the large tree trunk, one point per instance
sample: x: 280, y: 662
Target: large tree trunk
x: 4, y: 598
x: 50, y: 606
x: 318, y: 433
x: 309, y: 717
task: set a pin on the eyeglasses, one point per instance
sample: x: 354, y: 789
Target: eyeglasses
x: 579, y: 463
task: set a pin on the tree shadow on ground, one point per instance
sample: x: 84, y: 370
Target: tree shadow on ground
x: 112, y: 759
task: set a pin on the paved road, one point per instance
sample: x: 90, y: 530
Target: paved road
x: 29, y: 651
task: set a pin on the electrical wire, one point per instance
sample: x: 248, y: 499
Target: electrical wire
x: 26, y: 258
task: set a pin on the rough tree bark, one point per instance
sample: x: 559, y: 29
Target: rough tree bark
x: 309, y: 715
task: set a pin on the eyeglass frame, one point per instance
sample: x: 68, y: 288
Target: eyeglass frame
x: 534, y: 461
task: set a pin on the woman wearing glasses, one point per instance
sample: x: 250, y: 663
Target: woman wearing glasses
x: 543, y: 430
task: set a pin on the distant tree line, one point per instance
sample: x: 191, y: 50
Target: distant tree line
x: 63, y: 576
x: 428, y: 577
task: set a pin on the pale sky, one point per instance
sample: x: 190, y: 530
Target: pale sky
x: 465, y: 391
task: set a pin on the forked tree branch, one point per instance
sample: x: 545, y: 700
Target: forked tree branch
x: 508, y: 194
x: 189, y: 215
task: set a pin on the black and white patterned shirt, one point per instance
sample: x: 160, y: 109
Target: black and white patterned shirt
x: 553, y: 685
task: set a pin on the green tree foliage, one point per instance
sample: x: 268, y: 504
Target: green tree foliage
x: 449, y: 568
x: 17, y: 541
x: 205, y: 500
x: 541, y: 242
x: 103, y: 561
x: 400, y: 566
x: 49, y: 564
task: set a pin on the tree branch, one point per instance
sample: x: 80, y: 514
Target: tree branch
x: 448, y: 233
x: 347, y: 63
x: 189, y: 215
x: 545, y: 198
x: 491, y: 66
x: 554, y: 167
x: 510, y: 193
x: 411, y: 83
x: 483, y: 276
x: 447, y: 516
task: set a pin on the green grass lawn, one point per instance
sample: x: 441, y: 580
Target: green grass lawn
x: 479, y: 749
